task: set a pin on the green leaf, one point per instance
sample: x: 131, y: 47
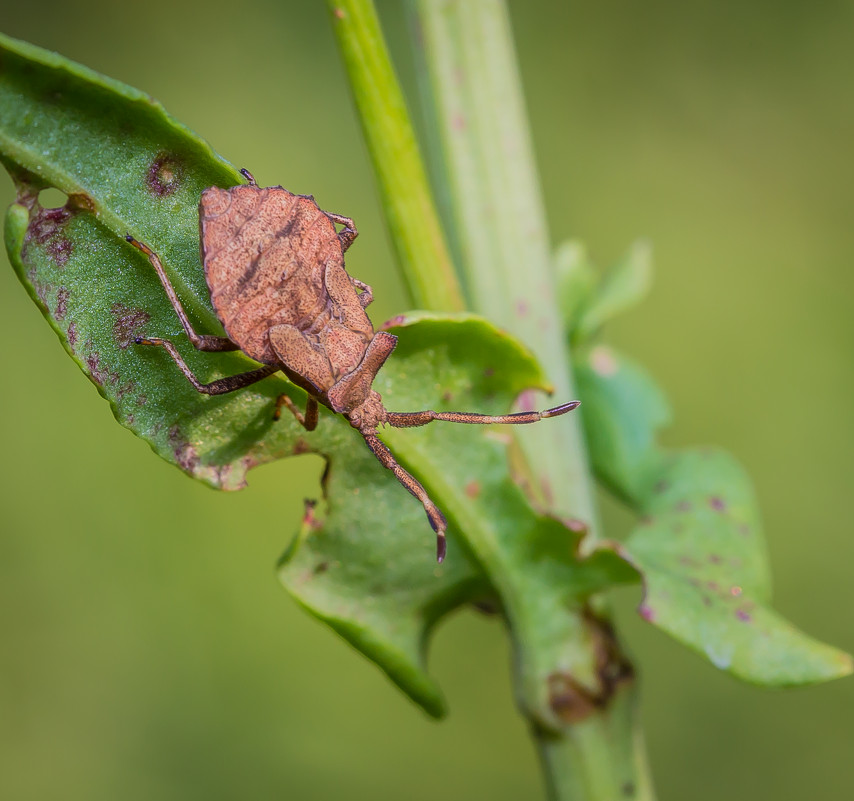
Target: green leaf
x: 393, y: 603
x: 368, y: 570
x: 699, y: 546
x: 588, y: 301
x: 577, y: 281
x: 623, y: 409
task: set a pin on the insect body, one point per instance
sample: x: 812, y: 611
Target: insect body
x: 274, y: 264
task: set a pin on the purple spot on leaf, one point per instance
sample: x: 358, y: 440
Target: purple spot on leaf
x: 603, y: 361
x: 394, y: 322
x: 98, y: 372
x: 527, y: 400
x: 61, y: 303
x: 717, y: 504
x: 46, y: 224
x: 185, y: 454
x: 743, y: 615
x: 575, y: 525
x: 223, y: 472
x: 59, y: 249
x: 646, y: 612
x: 164, y: 175
x: 127, y: 323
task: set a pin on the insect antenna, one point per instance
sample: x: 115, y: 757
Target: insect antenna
x: 413, y: 419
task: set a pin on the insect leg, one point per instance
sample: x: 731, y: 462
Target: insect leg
x: 308, y: 420
x: 349, y: 233
x: 248, y: 176
x: 412, y: 419
x: 436, y: 518
x: 367, y: 296
x: 200, y: 341
x: 218, y: 387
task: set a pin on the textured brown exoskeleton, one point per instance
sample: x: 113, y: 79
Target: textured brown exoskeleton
x: 274, y: 264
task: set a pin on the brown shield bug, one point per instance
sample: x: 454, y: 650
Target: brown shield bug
x: 274, y: 265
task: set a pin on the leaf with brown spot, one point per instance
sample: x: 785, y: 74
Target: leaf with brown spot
x: 364, y: 561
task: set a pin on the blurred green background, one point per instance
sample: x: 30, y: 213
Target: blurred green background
x: 147, y: 649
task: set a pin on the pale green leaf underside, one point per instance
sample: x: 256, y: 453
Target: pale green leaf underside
x: 699, y: 545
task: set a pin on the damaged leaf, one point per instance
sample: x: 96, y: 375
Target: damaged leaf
x: 363, y: 562
x: 699, y: 545
x: 531, y: 559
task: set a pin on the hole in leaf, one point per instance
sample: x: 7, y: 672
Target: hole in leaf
x: 52, y: 198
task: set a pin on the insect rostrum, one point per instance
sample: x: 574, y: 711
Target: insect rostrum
x: 274, y: 265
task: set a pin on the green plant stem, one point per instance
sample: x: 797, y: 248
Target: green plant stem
x: 498, y: 227
x: 408, y: 205
x: 494, y: 210
x: 589, y: 762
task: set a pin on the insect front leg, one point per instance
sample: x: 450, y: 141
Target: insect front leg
x: 204, y: 342
x: 308, y: 420
x: 349, y: 232
x: 218, y: 387
x: 436, y: 518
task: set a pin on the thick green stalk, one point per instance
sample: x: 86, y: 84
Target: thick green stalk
x: 498, y: 228
x: 408, y: 205
x: 596, y: 760
x: 494, y: 205
x: 494, y: 208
